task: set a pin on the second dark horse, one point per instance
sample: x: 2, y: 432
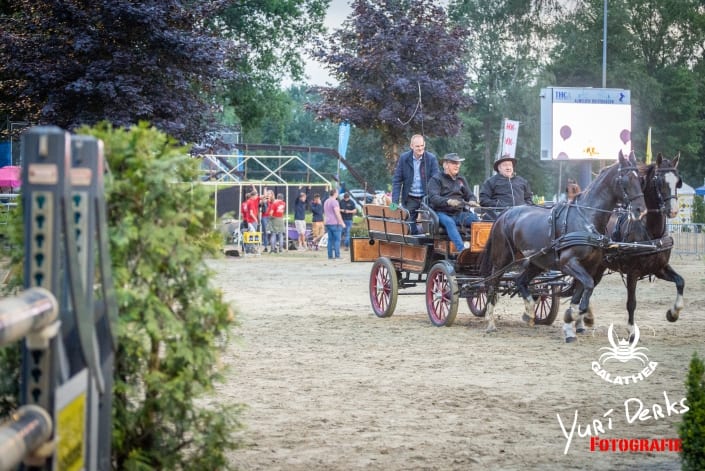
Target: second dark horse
x: 651, y: 249
x: 568, y: 238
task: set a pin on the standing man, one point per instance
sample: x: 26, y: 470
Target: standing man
x: 450, y: 196
x: 317, y: 219
x: 414, y: 169
x: 504, y: 189
x: 300, y: 218
x: 334, y: 224
x: 348, y: 210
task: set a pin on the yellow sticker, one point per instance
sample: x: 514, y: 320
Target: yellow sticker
x: 70, y: 435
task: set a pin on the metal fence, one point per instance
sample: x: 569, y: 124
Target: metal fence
x: 688, y: 239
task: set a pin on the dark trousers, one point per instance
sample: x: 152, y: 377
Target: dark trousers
x: 412, y: 205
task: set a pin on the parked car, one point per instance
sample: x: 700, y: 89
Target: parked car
x: 362, y: 196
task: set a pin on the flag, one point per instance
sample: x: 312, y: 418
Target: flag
x: 343, y: 136
x: 509, y: 138
x: 648, y: 147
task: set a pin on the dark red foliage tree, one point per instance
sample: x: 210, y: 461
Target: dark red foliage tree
x: 400, y: 71
x: 74, y: 62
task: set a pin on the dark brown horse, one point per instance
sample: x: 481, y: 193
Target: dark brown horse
x: 646, y: 248
x: 569, y: 237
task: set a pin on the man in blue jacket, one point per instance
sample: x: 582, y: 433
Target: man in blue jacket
x: 414, y: 169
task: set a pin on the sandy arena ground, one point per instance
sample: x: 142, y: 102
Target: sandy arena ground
x: 329, y: 386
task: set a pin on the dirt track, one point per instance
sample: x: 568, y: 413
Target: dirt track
x: 329, y: 386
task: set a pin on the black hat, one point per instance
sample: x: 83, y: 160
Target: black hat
x: 504, y: 158
x: 453, y: 157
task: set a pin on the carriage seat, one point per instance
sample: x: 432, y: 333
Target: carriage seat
x: 477, y: 234
x: 392, y: 225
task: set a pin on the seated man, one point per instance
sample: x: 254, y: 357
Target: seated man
x: 504, y: 189
x: 450, y: 196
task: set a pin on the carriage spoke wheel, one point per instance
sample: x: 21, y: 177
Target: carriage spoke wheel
x: 547, y: 303
x: 384, y: 287
x: 477, y: 302
x: 442, y: 294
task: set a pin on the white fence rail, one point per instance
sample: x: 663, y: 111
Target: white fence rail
x: 688, y: 239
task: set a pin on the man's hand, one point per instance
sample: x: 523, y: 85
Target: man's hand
x: 472, y: 204
x: 454, y: 203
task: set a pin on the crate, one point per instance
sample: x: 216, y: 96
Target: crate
x: 479, y: 233
x: 252, y: 238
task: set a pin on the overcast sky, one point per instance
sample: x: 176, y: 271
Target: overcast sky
x: 337, y: 12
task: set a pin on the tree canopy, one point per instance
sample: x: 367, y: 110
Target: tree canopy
x: 400, y: 69
x: 69, y: 62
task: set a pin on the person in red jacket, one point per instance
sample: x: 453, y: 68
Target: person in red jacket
x: 276, y: 222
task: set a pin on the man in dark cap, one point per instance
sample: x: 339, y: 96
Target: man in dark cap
x: 504, y: 189
x: 450, y: 196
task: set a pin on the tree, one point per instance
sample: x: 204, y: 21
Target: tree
x: 269, y: 34
x: 506, y: 55
x: 173, y: 324
x: 70, y: 62
x: 400, y: 69
x: 654, y: 50
x: 692, y: 428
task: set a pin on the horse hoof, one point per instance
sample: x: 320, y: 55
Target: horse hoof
x: 670, y: 317
x: 589, y: 320
x: 528, y: 319
x: 580, y: 330
x: 491, y: 330
x: 570, y: 339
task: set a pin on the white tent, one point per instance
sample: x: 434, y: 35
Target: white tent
x: 685, y: 205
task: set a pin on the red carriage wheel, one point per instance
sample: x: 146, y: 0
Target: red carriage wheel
x: 442, y: 294
x: 384, y: 287
x: 547, y: 302
x: 477, y: 302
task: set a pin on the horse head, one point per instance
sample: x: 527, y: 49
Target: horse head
x: 630, y: 183
x: 666, y: 181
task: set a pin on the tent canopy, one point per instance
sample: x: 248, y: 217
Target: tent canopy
x: 11, y: 176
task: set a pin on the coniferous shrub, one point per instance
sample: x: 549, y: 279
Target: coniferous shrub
x: 692, y: 428
x: 172, y: 323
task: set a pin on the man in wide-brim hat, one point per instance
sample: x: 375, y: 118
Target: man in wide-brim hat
x: 504, y: 189
x: 450, y: 196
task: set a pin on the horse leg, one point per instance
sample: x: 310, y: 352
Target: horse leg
x: 580, y: 300
x: 631, y: 304
x: 489, y: 311
x: 522, y: 284
x: 669, y: 274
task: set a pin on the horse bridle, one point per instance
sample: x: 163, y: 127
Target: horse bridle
x: 622, y: 173
x: 658, y: 182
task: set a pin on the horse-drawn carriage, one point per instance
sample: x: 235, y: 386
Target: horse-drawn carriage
x: 541, y: 253
x: 403, y: 260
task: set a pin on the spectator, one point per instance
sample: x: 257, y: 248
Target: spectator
x: 265, y: 202
x: 316, y: 219
x: 504, y: 189
x: 414, y: 169
x: 450, y: 196
x: 276, y: 219
x: 348, y: 210
x: 571, y: 189
x: 300, y: 218
x: 334, y: 224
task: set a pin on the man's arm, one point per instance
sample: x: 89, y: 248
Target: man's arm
x: 432, y: 166
x: 397, y: 180
x: 486, y: 194
x: 528, y: 194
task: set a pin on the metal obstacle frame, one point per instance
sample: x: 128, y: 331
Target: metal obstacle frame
x: 67, y: 368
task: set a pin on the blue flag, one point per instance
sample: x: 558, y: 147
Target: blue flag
x: 343, y: 136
